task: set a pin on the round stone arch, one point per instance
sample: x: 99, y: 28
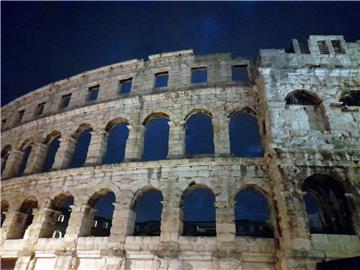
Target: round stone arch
x: 154, y: 115
x: 256, y: 187
x: 51, y: 135
x: 246, y: 110
x: 137, y: 194
x: 26, y: 142
x: 195, y: 111
x: 112, y: 123
x: 82, y: 127
x: 312, y: 95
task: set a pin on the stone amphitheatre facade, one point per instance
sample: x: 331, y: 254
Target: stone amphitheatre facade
x: 306, y: 103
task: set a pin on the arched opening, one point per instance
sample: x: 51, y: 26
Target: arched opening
x: 53, y: 142
x: 118, y: 134
x: 57, y: 217
x: 252, y: 215
x: 23, y: 218
x: 100, y: 215
x: 198, y: 208
x: 4, y: 209
x: 148, y: 210
x: 26, y: 149
x: 326, y: 206
x: 83, y: 137
x: 351, y: 98
x: 313, y: 108
x: 199, y: 134
x: 245, y: 140
x: 156, y: 137
x: 4, y: 156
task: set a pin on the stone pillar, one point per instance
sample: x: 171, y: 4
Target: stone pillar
x: 36, y: 158
x: 64, y: 154
x: 16, y: 227
x: 225, y: 225
x: 171, y: 218
x: 221, y: 134
x: 7, y: 224
x: 96, y: 148
x: 65, y: 260
x: 135, y: 143
x: 123, y: 222
x: 80, y: 222
x: 13, y: 164
x: 24, y: 262
x: 176, y: 139
x: 292, y: 230
x: 353, y: 200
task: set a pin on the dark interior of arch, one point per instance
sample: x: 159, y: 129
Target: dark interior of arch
x: 103, y: 215
x: 116, y: 144
x: 81, y: 149
x: 5, y: 156
x: 53, y: 147
x: 62, y: 222
x: 148, y: 209
x: 4, y: 209
x: 352, y: 98
x: 198, y: 207
x: 301, y: 97
x: 245, y: 140
x: 156, y: 139
x: 24, y: 160
x: 199, y: 135
x: 326, y: 206
x: 252, y: 215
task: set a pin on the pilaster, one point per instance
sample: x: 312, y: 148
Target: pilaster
x: 176, y: 139
x: 135, y: 143
x: 97, y: 147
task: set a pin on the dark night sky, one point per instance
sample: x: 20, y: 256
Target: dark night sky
x: 43, y: 42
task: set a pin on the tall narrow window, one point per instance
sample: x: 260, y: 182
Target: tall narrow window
x: 65, y: 100
x: 4, y: 156
x: 161, y: 79
x: 199, y: 135
x: 93, y: 93
x: 239, y: 73
x: 323, y: 47
x: 83, y: 137
x: 53, y: 144
x: 24, y: 161
x: 337, y: 46
x: 125, y: 86
x: 20, y: 116
x: 198, y: 208
x: 245, y: 140
x: 252, y: 216
x: 148, y: 209
x: 118, y: 133
x: 199, y: 75
x: 40, y: 109
x: 156, y: 138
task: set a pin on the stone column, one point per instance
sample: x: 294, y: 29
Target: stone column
x: 135, y: 143
x: 176, y: 139
x: 96, y: 148
x: 13, y: 164
x: 123, y: 222
x: 36, y: 158
x: 292, y: 230
x: 64, y: 154
x: 221, y: 134
x: 80, y: 222
x: 225, y: 225
x: 7, y: 223
x: 171, y: 218
x: 65, y: 260
x: 24, y: 262
x: 15, y: 229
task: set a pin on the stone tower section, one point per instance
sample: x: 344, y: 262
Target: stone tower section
x: 278, y: 176
x: 310, y: 101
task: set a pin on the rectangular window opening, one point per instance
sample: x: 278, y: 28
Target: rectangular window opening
x: 161, y: 79
x: 65, y: 100
x: 323, y: 47
x: 239, y: 73
x: 199, y: 75
x: 304, y: 48
x: 40, y: 109
x: 125, y: 86
x: 20, y: 116
x: 93, y: 93
x: 337, y: 46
